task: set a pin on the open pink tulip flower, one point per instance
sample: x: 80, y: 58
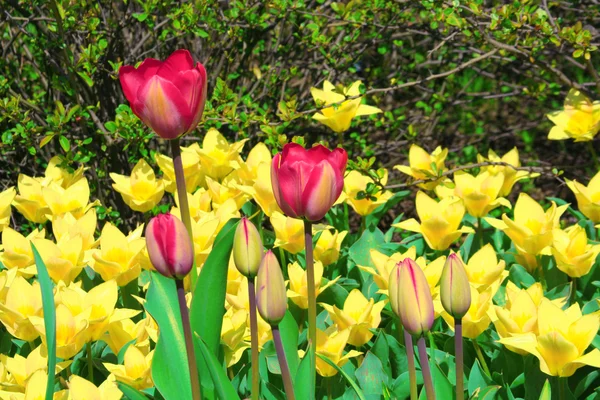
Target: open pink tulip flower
x: 306, y: 182
x: 168, y: 96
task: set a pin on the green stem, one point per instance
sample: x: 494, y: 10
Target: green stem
x: 184, y: 208
x: 573, y: 294
x: 312, y: 298
x: 412, y: 371
x: 189, y: 345
x: 428, y: 382
x: 481, y: 358
x: 480, y: 232
x: 541, y: 272
x: 458, y: 354
x: 253, y: 339
x: 562, y: 388
x: 286, y: 376
x: 283, y: 261
x: 90, y: 363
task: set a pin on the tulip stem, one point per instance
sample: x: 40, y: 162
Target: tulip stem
x: 562, y: 388
x: 90, y: 363
x: 458, y: 354
x: 184, y: 208
x: 253, y: 339
x: 312, y: 298
x: 481, y: 358
x: 480, y: 232
x: 573, y: 294
x: 428, y: 382
x: 189, y: 346
x: 412, y: 371
x: 283, y: 364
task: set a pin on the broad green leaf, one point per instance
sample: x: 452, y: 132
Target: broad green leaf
x: 382, y: 350
x: 222, y: 384
x: 374, y: 218
x: 586, y: 383
x: 130, y: 392
x: 371, y: 376
x: 353, y: 384
x: 170, y: 364
x: 303, y: 382
x: 488, y: 393
x: 289, y: 337
x: 477, y: 379
x: 46, y: 287
x: 64, y: 143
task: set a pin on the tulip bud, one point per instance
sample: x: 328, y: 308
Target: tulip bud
x: 455, y: 290
x: 271, y: 299
x: 410, y: 297
x: 169, y: 246
x: 247, y: 248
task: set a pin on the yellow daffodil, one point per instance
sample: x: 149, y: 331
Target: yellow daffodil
x: 70, y: 330
x: 331, y: 344
x: 217, y: 156
x: 510, y: 175
x: 479, y: 193
x: 532, y: 229
x: 141, y: 191
x: 136, y: 369
x: 6, y: 198
x: 17, y: 251
x: 22, y: 368
x: 477, y: 319
x: 64, y: 177
x: 562, y: 339
x: 81, y: 389
x: 588, y: 197
x: 327, y: 248
x: 30, y: 200
x: 579, y: 120
x: 119, y: 257
x: 423, y: 165
x: 199, y: 204
x: 359, y: 315
x: 23, y: 301
x: 573, y: 255
x: 289, y: 232
x: 74, y: 199
x: 298, y: 291
x: 338, y: 117
x: 64, y: 260
x: 66, y: 225
x: 192, y: 170
x: 439, y: 221
x: 261, y: 190
x: 356, y: 182
x: 484, y: 270
x: 233, y: 332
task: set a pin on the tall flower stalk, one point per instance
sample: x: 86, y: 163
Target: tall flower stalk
x: 412, y: 371
x: 312, y: 295
x: 427, y: 381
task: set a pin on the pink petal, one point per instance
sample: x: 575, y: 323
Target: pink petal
x: 322, y: 190
x: 178, y: 61
x: 132, y: 79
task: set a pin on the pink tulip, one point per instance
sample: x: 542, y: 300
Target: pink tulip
x: 306, y: 183
x: 169, y: 246
x: 168, y: 95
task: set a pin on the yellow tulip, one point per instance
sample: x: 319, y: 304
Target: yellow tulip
x: 217, y: 156
x: 477, y: 319
x: 588, y: 197
x: 6, y: 198
x: 81, y: 389
x: 579, y: 120
x: 192, y: 170
x: 298, y: 291
x: 233, y: 332
x: 484, y: 270
x: 23, y: 302
x: 123, y: 331
x: 36, y: 389
x: 327, y: 248
x: 250, y: 170
x: 66, y: 225
x: 119, y: 257
x: 261, y: 190
x: 64, y: 260
x: 204, y: 232
x: 573, y: 255
x: 439, y: 221
x: 62, y: 176
x: 75, y: 199
x: 70, y: 330
x: 479, y: 193
x: 563, y: 337
x: 331, y: 344
x: 22, y: 368
x: 356, y: 182
x: 30, y: 200
x: 17, y: 251
x: 421, y: 165
x: 141, y: 191
x: 359, y: 315
x: 135, y: 370
x: 339, y: 117
x: 510, y: 175
x: 228, y: 189
x: 199, y: 204
x: 289, y: 232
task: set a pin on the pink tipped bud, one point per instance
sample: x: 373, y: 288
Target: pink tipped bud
x: 169, y: 246
x: 271, y: 299
x: 410, y: 297
x: 247, y: 248
x: 455, y: 291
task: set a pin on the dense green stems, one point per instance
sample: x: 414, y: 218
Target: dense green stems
x: 427, y: 381
x: 481, y: 358
x: 458, y: 355
x: 412, y: 371
x: 562, y: 388
x: 253, y: 339
x: 189, y: 345
x: 283, y: 364
x: 184, y: 208
x: 312, y: 298
x: 90, y: 363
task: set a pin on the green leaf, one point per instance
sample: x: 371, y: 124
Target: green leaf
x: 586, y: 383
x: 371, y: 376
x: 46, y: 140
x: 477, y: 379
x: 130, y: 392
x: 46, y: 287
x: 88, y: 80
x: 382, y: 350
x: 222, y: 384
x: 488, y: 393
x: 170, y: 363
x: 353, y: 384
x: 371, y: 238
x: 546, y: 393
x: 303, y: 382
x: 64, y: 143
x: 289, y: 337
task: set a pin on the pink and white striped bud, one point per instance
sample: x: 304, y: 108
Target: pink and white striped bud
x: 455, y: 291
x: 247, y: 248
x: 271, y: 298
x: 169, y: 246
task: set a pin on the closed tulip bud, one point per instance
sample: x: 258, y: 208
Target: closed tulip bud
x: 455, y: 291
x: 247, y: 248
x: 410, y: 297
x: 169, y: 246
x: 271, y: 299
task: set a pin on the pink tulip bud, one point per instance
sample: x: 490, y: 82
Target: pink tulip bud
x: 247, y: 248
x: 271, y: 299
x: 169, y: 95
x: 455, y: 291
x: 410, y: 297
x: 306, y: 183
x: 169, y: 246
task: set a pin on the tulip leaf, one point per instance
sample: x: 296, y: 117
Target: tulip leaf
x: 382, y: 350
x: 303, y: 383
x: 546, y: 393
x: 130, y: 392
x: 477, y: 379
x: 353, y: 384
x: 169, y: 365
x: 222, y: 384
x: 46, y: 287
x: 586, y: 383
x: 373, y: 218
x: 488, y: 393
x: 289, y: 337
x: 371, y: 376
